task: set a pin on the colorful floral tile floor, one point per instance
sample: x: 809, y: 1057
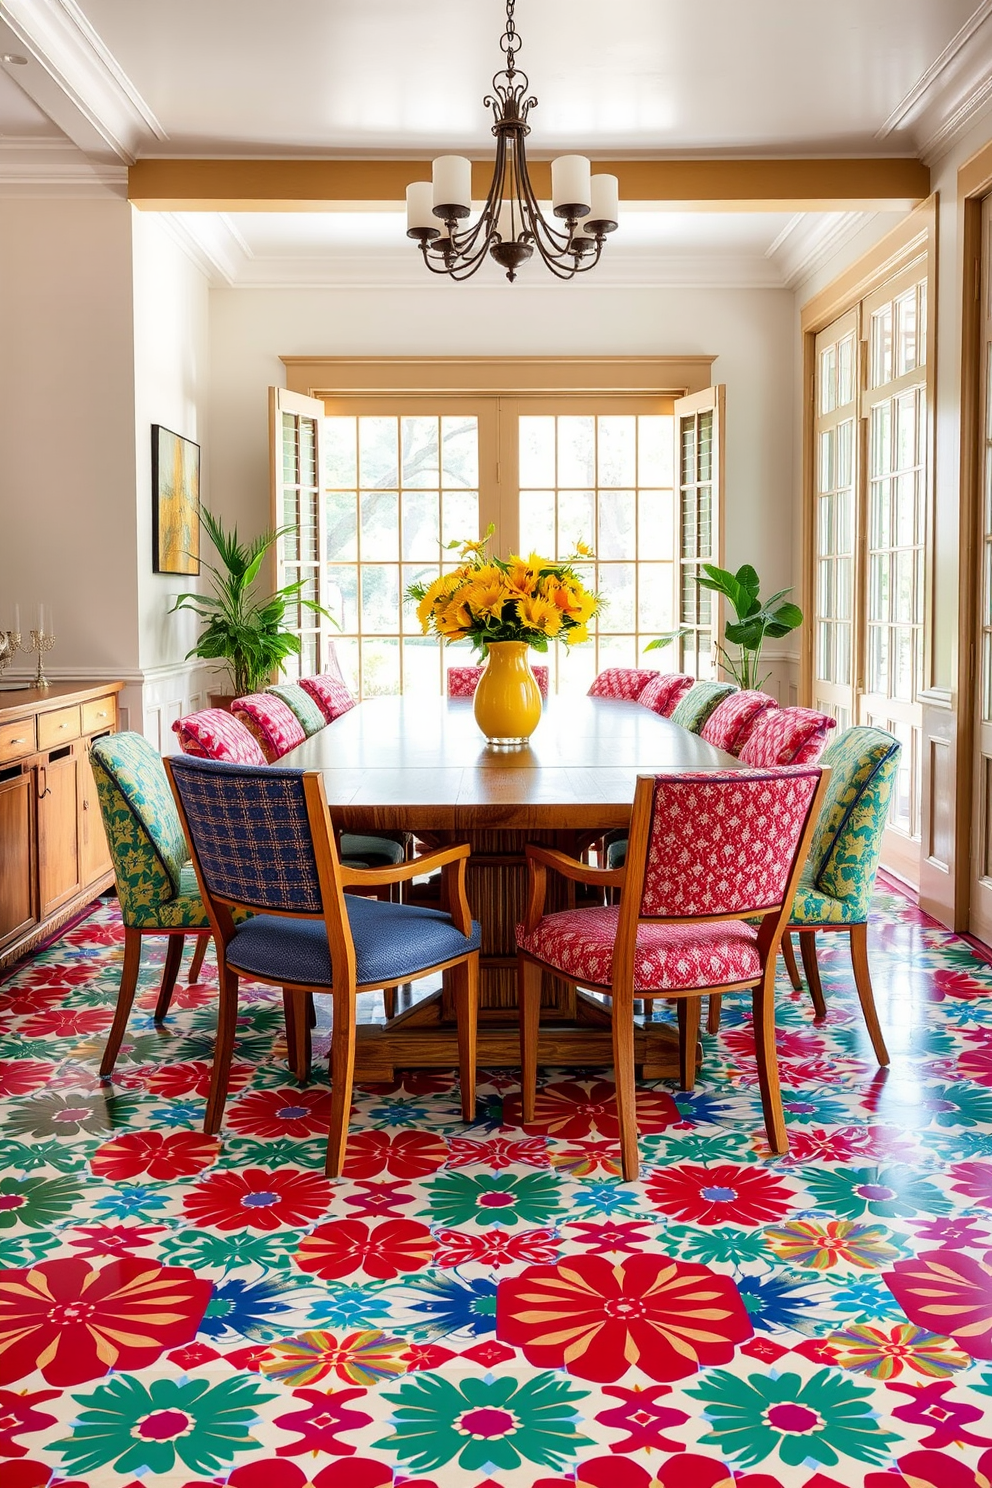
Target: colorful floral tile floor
x: 490, y: 1306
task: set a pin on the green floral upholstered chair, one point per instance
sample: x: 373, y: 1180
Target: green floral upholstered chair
x: 156, y: 884
x: 835, y: 887
x: 699, y: 702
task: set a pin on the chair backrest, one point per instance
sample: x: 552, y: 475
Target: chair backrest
x: 271, y: 722
x: 847, y: 839
x: 329, y: 693
x: 786, y: 736
x: 214, y: 734
x: 144, y: 833
x: 663, y: 694
x: 720, y: 842
x: 699, y: 702
x: 249, y: 833
x: 623, y: 683
x: 463, y: 680
x: 310, y: 715
x: 729, y: 725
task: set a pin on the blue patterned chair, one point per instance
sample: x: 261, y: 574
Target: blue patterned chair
x: 156, y: 884
x: 836, y: 884
x: 262, y: 841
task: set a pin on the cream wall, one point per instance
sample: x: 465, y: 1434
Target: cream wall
x: 749, y: 331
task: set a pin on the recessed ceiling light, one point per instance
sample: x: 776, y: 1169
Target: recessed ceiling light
x: 15, y: 60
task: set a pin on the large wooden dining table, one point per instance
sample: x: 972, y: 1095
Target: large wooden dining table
x: 420, y: 765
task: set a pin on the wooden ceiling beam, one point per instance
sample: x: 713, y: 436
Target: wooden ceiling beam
x: 865, y: 184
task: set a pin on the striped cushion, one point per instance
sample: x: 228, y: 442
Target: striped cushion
x: 216, y: 735
x: 311, y: 716
x: 271, y: 721
x: 329, y: 693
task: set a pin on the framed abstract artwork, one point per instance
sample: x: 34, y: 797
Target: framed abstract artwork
x: 176, y: 503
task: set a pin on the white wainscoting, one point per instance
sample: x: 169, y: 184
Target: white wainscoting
x: 167, y: 693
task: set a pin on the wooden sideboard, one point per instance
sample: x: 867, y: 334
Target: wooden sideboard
x: 53, y: 852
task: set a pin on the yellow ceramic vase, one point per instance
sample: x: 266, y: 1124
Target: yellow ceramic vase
x: 507, y: 699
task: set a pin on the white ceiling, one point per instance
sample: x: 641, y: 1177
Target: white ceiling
x: 109, y: 81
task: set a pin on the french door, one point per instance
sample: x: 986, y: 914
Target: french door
x: 981, y: 857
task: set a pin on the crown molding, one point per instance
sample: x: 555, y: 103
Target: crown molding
x: 944, y: 100
x: 913, y: 102
x: 77, y: 81
x: 809, y: 241
x: 61, y: 179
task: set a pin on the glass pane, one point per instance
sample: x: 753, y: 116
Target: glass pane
x: 616, y: 584
x: 380, y: 525
x: 576, y: 451
x: 537, y: 522
x: 655, y: 525
x: 380, y: 597
x: 380, y: 668
x: 704, y: 455
x: 537, y: 451
x: 827, y: 476
x: 654, y: 450
x: 878, y: 659
x: 879, y: 524
x: 845, y: 371
x: 845, y: 447
x: 828, y: 379
x: 341, y: 595
x: 460, y: 450
x: 617, y: 449
x: 825, y: 524
x: 654, y: 601
x: 460, y: 517
x: 842, y: 588
x: 576, y: 520
x: 825, y: 588
x: 290, y: 469
x: 879, y: 453
x: 421, y: 667
x: 906, y: 332
x: 340, y: 456
x: 902, y: 684
x: 843, y: 515
x: 881, y: 346
x: 905, y: 608
x: 617, y: 538
x: 420, y: 452
x: 921, y: 322
x: 420, y: 525
x: 878, y: 587
x: 842, y: 654
x: 906, y: 431
x: 377, y: 452
x: 905, y: 512
x: 308, y: 453
x: 342, y: 526
x: 618, y: 651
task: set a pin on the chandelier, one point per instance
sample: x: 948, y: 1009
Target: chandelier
x: 512, y: 224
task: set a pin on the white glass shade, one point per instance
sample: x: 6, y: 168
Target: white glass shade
x: 508, y: 224
x: 452, y: 185
x: 571, y: 183
x: 605, y: 205
x: 420, y: 206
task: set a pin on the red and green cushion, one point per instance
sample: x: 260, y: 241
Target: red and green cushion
x: 271, y: 722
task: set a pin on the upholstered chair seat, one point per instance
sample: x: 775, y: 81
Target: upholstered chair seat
x: 699, y: 702
x: 214, y: 734
x: 623, y: 683
x: 462, y: 681
x: 664, y: 693
x: 786, y: 736
x: 729, y: 725
x: 271, y: 722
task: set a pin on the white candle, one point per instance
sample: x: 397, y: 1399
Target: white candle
x: 420, y: 207
x: 452, y: 182
x: 51, y: 621
x: 41, y: 619
x: 17, y: 619
x: 605, y: 199
x: 570, y: 185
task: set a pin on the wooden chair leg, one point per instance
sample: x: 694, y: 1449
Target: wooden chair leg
x: 862, y: 979
x: 688, y: 1011
x: 199, y: 952
x: 789, y: 953
x: 807, y: 945
x: 125, y: 999
x: 227, y: 1027
x: 529, y: 998
x: 623, y: 1079
x: 342, y: 1076
x: 296, y: 1012
x: 311, y: 1010
x: 389, y: 1002
x: 767, y: 1057
x: 713, y: 1013
x: 170, y: 971
x: 466, y: 991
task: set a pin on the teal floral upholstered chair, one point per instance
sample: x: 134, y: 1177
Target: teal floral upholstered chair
x: 835, y: 886
x: 699, y: 702
x: 156, y: 884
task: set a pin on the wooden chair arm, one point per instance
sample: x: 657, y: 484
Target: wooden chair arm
x: 550, y: 857
x: 401, y: 872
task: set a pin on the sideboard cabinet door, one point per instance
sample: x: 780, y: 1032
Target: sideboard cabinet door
x: 18, y: 908
x: 94, y: 854
x: 58, y: 830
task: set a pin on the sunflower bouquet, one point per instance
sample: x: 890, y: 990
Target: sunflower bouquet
x: 486, y: 599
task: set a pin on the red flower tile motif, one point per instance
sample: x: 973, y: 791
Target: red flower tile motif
x: 498, y: 1153
x: 69, y: 974
x: 166, y: 1156
x: 933, y: 1470
x: 426, y: 1356
x: 19, y: 1415
x: 406, y: 1154
x: 21, y: 1076
x: 380, y: 1199
x: 718, y: 1194
x: 974, y: 1180
x: 949, y: 1293
x: 74, y: 1322
x: 287, y: 1112
x: 193, y: 1356
x: 944, y: 982
x: 325, y: 1413
x: 67, y: 1022
x: 612, y: 1237
x: 643, y: 1419
x: 951, y: 1420
x: 596, y: 1320
x: 382, y: 1250
x: 951, y: 1234
x: 489, y: 1353
x: 568, y: 1110
x: 495, y: 1248
x: 189, y: 995
x: 256, y: 1199
x: 588, y: 1158
x: 764, y: 1349
x: 975, y: 1063
x: 359, y: 1472
x: 107, y: 1240
x: 192, y: 1077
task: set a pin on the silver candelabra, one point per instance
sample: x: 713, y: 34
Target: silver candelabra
x: 40, y: 642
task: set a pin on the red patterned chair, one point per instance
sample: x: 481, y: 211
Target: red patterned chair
x: 729, y: 725
x: 683, y: 926
x: 329, y: 693
x: 664, y: 693
x: 214, y: 734
x: 271, y: 721
x: 463, y: 680
x: 786, y: 736
x: 624, y: 683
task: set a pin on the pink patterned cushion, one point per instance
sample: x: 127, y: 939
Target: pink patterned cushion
x: 271, y: 721
x: 579, y: 942
x: 662, y: 694
x: 462, y: 681
x: 730, y: 724
x: 329, y: 693
x: 724, y: 841
x: 625, y: 683
x: 214, y: 734
x: 778, y: 735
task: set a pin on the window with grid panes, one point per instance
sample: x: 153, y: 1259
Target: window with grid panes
x: 697, y: 539
x: 836, y: 420
x: 299, y: 546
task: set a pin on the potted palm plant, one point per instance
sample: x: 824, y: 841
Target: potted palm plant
x: 756, y: 618
x: 242, y: 629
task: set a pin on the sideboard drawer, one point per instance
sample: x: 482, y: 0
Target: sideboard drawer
x: 98, y: 715
x: 58, y: 727
x: 16, y: 740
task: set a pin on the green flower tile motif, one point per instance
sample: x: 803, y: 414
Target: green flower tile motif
x: 720, y: 1247
x: 818, y: 1420
x: 24, y: 1250
x: 203, y: 1250
x: 22, y: 1157
x: 36, y: 1202
x: 491, y: 1199
x: 54, y: 1114
x: 135, y: 1427
x: 485, y: 1422
x: 895, y: 1192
